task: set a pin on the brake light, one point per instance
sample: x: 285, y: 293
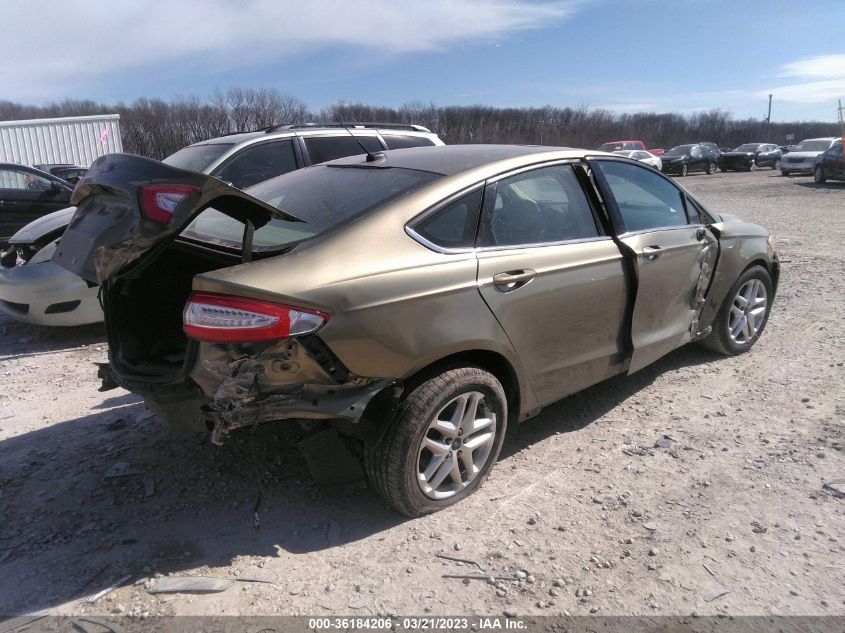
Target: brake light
x: 217, y: 318
x: 159, y: 201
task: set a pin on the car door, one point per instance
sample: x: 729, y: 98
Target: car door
x: 674, y: 256
x: 26, y: 195
x: 833, y: 163
x: 697, y: 158
x: 554, y: 280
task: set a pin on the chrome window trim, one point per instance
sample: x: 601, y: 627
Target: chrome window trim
x: 510, y: 247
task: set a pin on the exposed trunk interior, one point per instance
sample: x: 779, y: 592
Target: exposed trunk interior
x: 147, y: 340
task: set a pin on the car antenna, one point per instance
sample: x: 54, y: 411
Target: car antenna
x: 370, y: 156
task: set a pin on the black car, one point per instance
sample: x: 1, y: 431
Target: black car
x: 750, y: 155
x: 830, y: 165
x: 26, y: 194
x: 66, y: 171
x: 683, y: 159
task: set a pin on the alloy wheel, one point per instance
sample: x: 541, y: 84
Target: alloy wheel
x: 456, y: 445
x: 748, y: 312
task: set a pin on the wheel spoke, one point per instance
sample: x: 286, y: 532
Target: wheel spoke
x: 435, y: 447
x: 738, y: 326
x: 470, y: 411
x: 469, y: 464
x: 442, y: 472
x: 433, y: 465
x: 478, y: 440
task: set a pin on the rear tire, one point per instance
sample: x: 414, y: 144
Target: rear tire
x: 684, y: 170
x: 818, y: 175
x: 776, y: 164
x: 743, y: 315
x: 405, y: 465
x: 711, y: 168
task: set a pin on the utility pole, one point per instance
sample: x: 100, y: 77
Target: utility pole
x: 541, y: 132
x: 841, y: 118
x: 769, y: 118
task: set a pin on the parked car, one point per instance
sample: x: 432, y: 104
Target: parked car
x: 616, y: 146
x: 750, y: 155
x: 27, y: 193
x: 425, y: 299
x: 802, y: 158
x: 643, y: 156
x: 830, y: 165
x: 66, y: 171
x: 46, y: 294
x: 683, y: 159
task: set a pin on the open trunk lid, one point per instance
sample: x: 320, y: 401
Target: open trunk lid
x: 128, y: 206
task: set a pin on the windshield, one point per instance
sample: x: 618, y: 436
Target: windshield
x: 748, y: 147
x: 680, y: 150
x: 812, y: 146
x: 322, y: 196
x: 197, y: 157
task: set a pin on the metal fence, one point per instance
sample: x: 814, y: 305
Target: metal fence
x: 78, y: 140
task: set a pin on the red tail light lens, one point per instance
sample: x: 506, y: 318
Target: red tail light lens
x: 159, y: 201
x: 219, y: 318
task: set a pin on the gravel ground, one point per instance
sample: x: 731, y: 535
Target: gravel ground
x: 582, y: 514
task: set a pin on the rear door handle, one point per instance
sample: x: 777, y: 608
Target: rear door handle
x: 513, y: 279
x: 652, y: 252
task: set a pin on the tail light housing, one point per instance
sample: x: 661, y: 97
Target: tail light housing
x: 218, y: 318
x: 159, y: 201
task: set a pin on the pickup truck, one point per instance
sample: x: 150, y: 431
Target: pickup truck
x: 615, y: 146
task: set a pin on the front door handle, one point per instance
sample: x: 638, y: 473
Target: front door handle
x: 652, y: 252
x: 513, y: 279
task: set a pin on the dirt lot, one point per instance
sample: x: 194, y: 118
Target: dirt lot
x: 582, y: 511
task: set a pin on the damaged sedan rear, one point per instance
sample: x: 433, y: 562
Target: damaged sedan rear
x: 422, y: 300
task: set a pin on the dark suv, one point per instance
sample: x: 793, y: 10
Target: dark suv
x: 683, y: 159
x: 252, y: 157
x: 830, y: 165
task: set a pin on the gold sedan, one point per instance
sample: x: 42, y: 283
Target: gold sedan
x: 421, y: 300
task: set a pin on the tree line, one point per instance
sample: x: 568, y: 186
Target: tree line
x: 156, y: 127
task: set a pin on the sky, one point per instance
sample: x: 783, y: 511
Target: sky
x: 623, y: 55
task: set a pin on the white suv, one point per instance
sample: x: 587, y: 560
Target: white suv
x: 247, y: 159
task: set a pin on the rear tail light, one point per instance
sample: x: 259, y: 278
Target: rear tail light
x: 159, y: 201
x: 219, y: 318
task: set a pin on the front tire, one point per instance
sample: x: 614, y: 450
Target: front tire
x: 818, y: 175
x: 711, y: 168
x: 776, y: 164
x: 684, y: 170
x: 743, y: 315
x: 442, y: 442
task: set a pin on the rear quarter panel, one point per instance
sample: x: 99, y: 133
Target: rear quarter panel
x: 395, y: 306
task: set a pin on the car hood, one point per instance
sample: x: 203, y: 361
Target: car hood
x: 806, y: 155
x: 44, y: 225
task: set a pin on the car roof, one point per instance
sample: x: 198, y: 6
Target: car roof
x: 449, y: 160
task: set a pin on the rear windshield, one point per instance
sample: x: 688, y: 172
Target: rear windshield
x: 322, y: 196
x: 197, y: 157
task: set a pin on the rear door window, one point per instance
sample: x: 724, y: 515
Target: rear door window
x: 401, y: 141
x: 323, y: 148
x: 258, y: 163
x: 540, y: 206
